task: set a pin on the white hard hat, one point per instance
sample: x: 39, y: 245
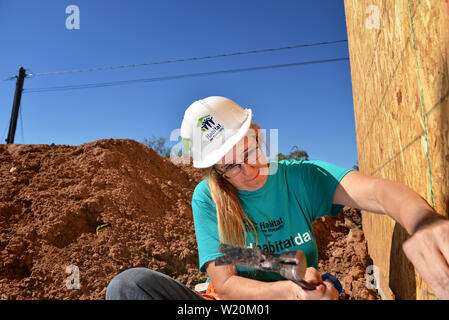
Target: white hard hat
x: 211, y: 127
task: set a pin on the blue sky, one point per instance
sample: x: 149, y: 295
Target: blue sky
x: 310, y: 105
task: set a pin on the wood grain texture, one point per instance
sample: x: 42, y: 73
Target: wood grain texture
x: 401, y: 107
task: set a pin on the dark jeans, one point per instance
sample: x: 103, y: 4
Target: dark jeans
x: 147, y: 284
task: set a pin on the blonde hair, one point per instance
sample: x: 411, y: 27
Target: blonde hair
x: 233, y: 223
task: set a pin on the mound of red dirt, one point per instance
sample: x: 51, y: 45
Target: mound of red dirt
x: 342, y: 251
x: 91, y: 211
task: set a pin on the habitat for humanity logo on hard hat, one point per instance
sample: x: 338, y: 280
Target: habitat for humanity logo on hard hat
x: 207, y: 124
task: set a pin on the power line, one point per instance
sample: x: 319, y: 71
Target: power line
x: 189, y: 75
x: 185, y: 59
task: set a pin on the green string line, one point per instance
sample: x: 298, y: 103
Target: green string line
x: 422, y: 101
x: 423, y: 114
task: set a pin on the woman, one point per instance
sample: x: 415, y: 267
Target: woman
x: 248, y: 202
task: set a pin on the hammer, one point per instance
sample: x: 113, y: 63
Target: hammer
x: 290, y: 264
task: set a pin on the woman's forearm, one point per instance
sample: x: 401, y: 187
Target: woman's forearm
x: 404, y: 205
x: 240, y: 288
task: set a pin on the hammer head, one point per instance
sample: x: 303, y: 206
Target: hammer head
x: 291, y: 264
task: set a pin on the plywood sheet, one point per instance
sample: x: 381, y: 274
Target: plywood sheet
x: 400, y: 86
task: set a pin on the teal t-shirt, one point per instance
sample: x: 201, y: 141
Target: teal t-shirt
x: 282, y: 210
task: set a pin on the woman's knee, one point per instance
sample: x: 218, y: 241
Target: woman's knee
x: 125, y: 285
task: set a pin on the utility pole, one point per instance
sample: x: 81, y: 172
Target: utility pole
x: 16, y: 105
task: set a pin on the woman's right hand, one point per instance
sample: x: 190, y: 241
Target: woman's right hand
x: 324, y: 289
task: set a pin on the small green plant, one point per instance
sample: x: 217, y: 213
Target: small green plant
x: 101, y: 226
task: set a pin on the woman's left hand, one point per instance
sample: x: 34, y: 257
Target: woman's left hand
x: 324, y: 289
x: 428, y: 250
